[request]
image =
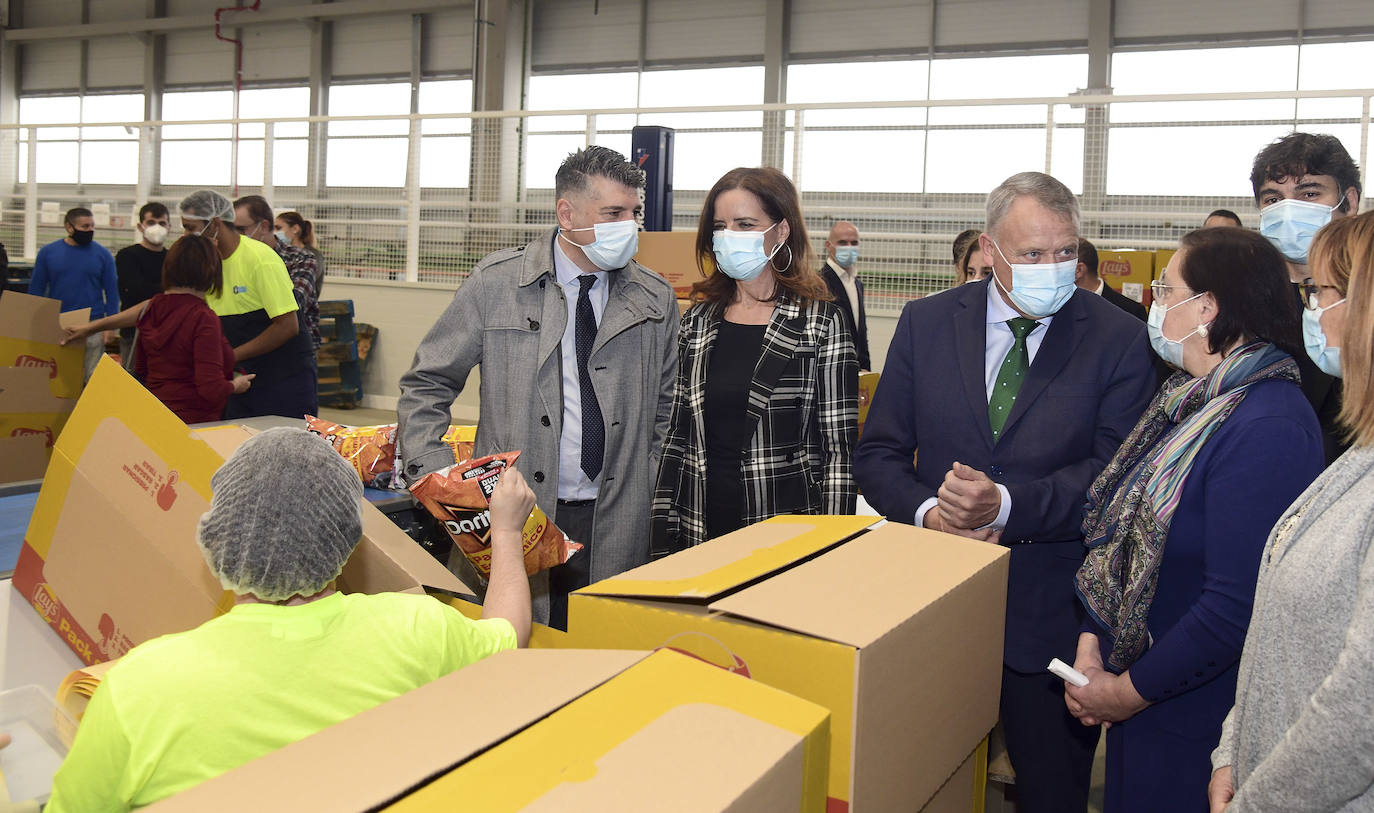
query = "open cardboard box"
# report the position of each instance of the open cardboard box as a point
(110, 558)
(897, 630)
(574, 731)
(673, 256)
(39, 381)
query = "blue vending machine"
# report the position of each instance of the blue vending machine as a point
(652, 151)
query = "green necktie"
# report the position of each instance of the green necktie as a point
(1010, 376)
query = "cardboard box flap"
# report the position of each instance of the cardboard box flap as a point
(35, 318)
(870, 585)
(25, 389)
(608, 750)
(223, 439)
(412, 558)
(724, 563)
(410, 739)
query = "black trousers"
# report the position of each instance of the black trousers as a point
(574, 519)
(1050, 751)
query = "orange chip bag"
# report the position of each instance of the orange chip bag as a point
(370, 449)
(459, 497)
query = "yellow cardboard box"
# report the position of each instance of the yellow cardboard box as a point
(868, 384)
(28, 409)
(573, 731)
(1130, 272)
(110, 559)
(896, 630)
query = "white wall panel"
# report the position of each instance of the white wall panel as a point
(566, 32)
(115, 62)
(197, 58)
(1149, 19)
(276, 52)
(705, 29)
(50, 65)
(372, 46)
(42, 13)
(990, 22)
(448, 41)
(1341, 14)
(114, 11)
(823, 26)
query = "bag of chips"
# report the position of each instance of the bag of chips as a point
(459, 497)
(372, 449)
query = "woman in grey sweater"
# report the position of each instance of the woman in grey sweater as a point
(1301, 734)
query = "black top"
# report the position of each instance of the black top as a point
(730, 372)
(140, 278)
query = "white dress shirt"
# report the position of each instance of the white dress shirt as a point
(998, 342)
(573, 483)
(851, 289)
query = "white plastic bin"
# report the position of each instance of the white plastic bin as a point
(40, 732)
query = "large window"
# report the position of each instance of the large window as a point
(201, 154)
(87, 154)
(707, 145)
(551, 138)
(446, 144)
(368, 153)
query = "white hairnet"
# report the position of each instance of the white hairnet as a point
(206, 204)
(285, 516)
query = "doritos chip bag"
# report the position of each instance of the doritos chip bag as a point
(460, 496)
(370, 449)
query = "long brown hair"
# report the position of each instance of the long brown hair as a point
(778, 197)
(1344, 248)
(193, 262)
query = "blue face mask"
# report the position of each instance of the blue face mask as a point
(1171, 350)
(616, 243)
(1327, 359)
(1039, 289)
(846, 256)
(1291, 224)
(740, 254)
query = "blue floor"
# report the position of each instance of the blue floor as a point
(15, 510)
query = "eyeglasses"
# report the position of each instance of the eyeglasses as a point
(1158, 289)
(1311, 294)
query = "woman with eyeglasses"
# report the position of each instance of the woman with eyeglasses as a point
(1176, 522)
(765, 414)
(1301, 732)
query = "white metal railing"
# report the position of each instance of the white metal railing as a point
(410, 230)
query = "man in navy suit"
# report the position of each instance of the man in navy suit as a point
(1016, 391)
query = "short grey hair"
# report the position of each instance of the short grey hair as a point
(578, 168)
(1046, 189)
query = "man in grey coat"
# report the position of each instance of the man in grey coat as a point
(578, 349)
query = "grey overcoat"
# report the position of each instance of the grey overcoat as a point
(509, 317)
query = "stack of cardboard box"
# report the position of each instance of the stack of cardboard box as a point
(39, 381)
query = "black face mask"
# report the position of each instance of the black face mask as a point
(83, 238)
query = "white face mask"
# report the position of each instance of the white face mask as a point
(1039, 289)
(1171, 350)
(155, 234)
(1326, 357)
(740, 254)
(1291, 224)
(615, 245)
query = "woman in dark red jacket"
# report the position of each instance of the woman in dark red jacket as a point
(183, 357)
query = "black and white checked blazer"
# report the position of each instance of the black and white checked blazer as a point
(803, 407)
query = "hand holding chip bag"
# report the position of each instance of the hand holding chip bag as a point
(460, 498)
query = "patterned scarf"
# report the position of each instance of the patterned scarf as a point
(1132, 503)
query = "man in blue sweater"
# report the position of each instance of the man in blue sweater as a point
(81, 273)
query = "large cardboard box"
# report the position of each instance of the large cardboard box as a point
(572, 731)
(110, 559)
(673, 256)
(897, 630)
(1130, 272)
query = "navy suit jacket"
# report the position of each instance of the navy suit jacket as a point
(1090, 381)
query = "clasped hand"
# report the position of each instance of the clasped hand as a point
(967, 501)
(1108, 698)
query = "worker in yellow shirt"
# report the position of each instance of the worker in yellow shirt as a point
(294, 655)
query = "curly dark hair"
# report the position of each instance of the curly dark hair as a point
(1298, 154)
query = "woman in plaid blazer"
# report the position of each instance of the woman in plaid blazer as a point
(765, 412)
